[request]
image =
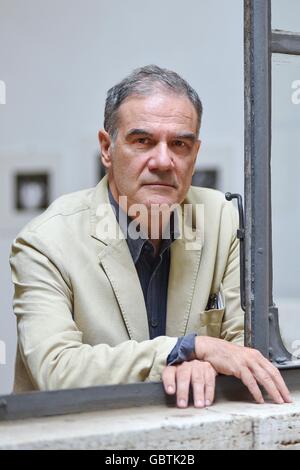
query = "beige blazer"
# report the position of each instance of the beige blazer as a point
(80, 310)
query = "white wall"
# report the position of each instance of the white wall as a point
(59, 57)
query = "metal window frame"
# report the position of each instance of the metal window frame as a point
(261, 317)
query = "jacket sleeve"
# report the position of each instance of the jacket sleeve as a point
(50, 342)
(233, 321)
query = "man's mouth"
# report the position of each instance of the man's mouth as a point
(168, 185)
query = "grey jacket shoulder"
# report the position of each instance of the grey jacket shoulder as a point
(215, 203)
(206, 195)
(64, 206)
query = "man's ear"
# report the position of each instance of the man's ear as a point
(105, 146)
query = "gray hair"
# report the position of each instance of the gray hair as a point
(144, 81)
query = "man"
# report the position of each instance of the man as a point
(116, 285)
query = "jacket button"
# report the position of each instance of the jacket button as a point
(154, 323)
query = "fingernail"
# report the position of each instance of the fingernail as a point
(199, 404)
(170, 389)
(207, 403)
(182, 403)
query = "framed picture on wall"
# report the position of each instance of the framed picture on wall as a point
(206, 178)
(28, 185)
(219, 167)
(31, 191)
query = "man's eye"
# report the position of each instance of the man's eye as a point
(143, 140)
(179, 143)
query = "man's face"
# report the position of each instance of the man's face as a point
(152, 158)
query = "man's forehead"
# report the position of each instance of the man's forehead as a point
(157, 109)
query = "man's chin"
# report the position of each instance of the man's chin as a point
(159, 195)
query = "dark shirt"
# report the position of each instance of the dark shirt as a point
(153, 272)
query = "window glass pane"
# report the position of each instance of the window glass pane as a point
(286, 15)
(286, 195)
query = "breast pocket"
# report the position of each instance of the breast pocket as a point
(211, 322)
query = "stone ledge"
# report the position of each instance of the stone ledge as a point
(226, 425)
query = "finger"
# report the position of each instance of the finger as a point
(265, 379)
(168, 378)
(249, 380)
(278, 380)
(198, 385)
(183, 380)
(210, 385)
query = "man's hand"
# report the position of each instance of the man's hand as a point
(201, 375)
(248, 365)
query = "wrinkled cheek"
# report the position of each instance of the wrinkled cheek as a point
(126, 181)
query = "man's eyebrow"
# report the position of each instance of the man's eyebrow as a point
(186, 135)
(183, 135)
(138, 132)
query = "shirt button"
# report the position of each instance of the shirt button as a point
(154, 323)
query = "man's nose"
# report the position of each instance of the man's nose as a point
(161, 158)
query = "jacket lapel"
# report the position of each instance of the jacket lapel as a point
(115, 259)
(185, 262)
